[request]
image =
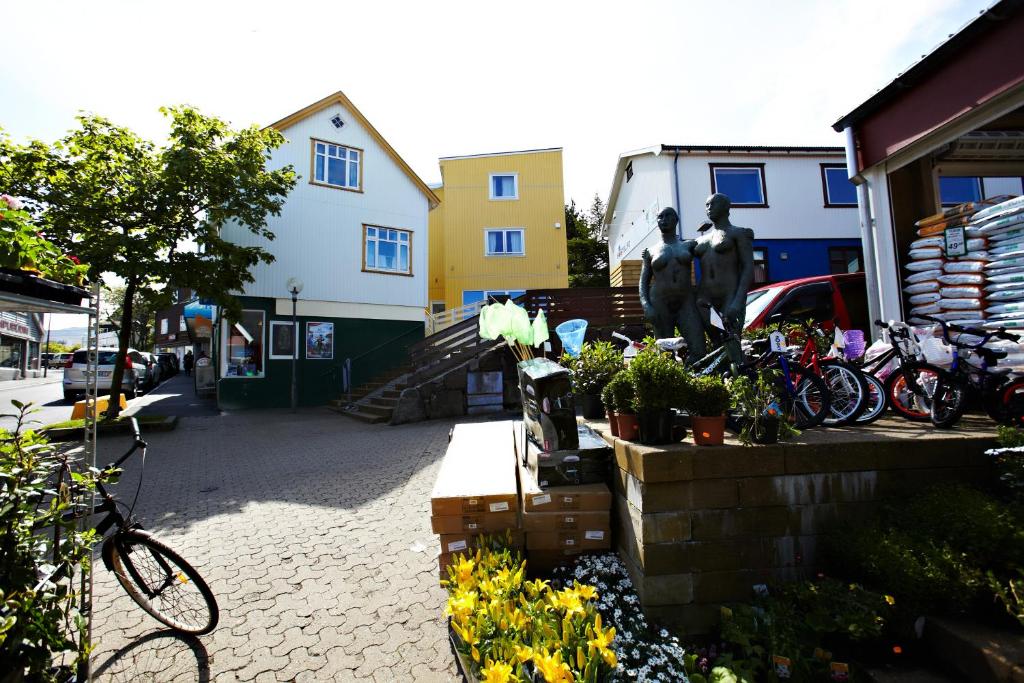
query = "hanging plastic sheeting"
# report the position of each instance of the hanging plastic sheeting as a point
(540, 328)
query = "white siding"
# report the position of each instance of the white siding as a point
(319, 234)
(633, 225)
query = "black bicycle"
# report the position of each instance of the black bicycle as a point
(154, 575)
(1001, 396)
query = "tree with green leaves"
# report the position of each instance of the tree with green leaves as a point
(587, 246)
(143, 319)
(152, 216)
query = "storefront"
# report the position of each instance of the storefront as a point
(948, 130)
(20, 335)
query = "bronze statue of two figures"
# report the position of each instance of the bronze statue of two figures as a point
(667, 293)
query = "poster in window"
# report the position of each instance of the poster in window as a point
(282, 339)
(319, 340)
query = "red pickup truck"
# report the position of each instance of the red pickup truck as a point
(824, 298)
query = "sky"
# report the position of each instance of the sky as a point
(451, 78)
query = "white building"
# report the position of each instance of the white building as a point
(797, 200)
(354, 231)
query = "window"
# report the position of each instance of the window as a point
(181, 324)
(504, 186)
(504, 242)
(436, 307)
(743, 183)
(387, 250)
(337, 166)
(629, 171)
(955, 190)
(760, 266)
(845, 260)
(243, 346)
(163, 325)
(836, 186)
(283, 335)
(809, 302)
(854, 294)
(490, 296)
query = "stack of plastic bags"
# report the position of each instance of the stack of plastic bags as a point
(1003, 227)
(947, 288)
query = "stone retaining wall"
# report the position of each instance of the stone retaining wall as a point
(699, 526)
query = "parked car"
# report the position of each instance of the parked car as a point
(169, 365)
(826, 298)
(59, 360)
(152, 370)
(77, 366)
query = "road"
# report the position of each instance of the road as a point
(49, 398)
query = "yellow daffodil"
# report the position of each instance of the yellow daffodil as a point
(552, 668)
(601, 643)
(524, 653)
(497, 672)
(891, 600)
(585, 591)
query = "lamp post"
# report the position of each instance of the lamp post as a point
(294, 286)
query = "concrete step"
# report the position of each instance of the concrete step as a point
(361, 415)
(373, 409)
(384, 401)
(392, 393)
(983, 654)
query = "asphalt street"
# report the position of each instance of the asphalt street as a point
(48, 398)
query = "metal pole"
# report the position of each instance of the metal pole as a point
(49, 321)
(295, 352)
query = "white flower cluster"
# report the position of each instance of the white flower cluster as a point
(643, 653)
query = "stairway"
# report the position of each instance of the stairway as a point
(374, 401)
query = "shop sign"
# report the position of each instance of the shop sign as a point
(956, 242)
(13, 327)
(199, 319)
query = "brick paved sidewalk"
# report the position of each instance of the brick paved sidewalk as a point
(313, 532)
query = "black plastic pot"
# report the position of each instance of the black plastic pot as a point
(592, 407)
(656, 426)
(765, 432)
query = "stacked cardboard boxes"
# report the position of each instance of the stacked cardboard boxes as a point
(476, 490)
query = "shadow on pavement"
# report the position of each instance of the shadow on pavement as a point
(175, 396)
(158, 656)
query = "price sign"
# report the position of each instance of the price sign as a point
(777, 340)
(956, 242)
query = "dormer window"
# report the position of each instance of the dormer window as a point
(504, 186)
(337, 166)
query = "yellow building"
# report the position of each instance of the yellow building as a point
(499, 229)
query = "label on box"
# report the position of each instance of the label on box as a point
(570, 541)
(542, 499)
(498, 507)
(569, 519)
(783, 666)
(471, 525)
(455, 546)
(594, 535)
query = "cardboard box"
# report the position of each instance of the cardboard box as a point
(582, 539)
(549, 408)
(590, 463)
(478, 474)
(566, 521)
(585, 497)
(543, 561)
(464, 542)
(482, 523)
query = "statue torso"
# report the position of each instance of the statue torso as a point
(672, 263)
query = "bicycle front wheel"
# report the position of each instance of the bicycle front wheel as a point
(847, 390)
(947, 401)
(909, 390)
(163, 584)
(876, 402)
(804, 398)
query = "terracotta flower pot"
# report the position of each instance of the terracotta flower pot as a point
(708, 431)
(629, 426)
(613, 422)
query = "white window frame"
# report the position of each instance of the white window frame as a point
(225, 337)
(398, 250)
(487, 242)
(762, 187)
(433, 304)
(270, 340)
(515, 186)
(358, 187)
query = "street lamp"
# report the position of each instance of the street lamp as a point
(294, 286)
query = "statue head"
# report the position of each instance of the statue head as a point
(668, 219)
(718, 206)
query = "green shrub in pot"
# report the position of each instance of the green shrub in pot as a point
(660, 384)
(755, 399)
(591, 371)
(707, 400)
(623, 397)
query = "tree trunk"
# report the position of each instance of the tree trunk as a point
(123, 342)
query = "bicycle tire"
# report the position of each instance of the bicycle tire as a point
(146, 579)
(1011, 397)
(948, 401)
(905, 402)
(847, 391)
(809, 405)
(876, 403)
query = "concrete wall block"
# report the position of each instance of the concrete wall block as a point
(680, 495)
(446, 403)
(708, 525)
(804, 489)
(409, 408)
(713, 463)
(738, 586)
(693, 620)
(456, 379)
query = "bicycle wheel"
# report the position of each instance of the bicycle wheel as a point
(1011, 397)
(947, 401)
(162, 583)
(847, 391)
(806, 403)
(909, 390)
(876, 403)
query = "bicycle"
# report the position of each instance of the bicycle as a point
(908, 389)
(1001, 396)
(167, 587)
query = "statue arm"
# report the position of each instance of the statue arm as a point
(745, 254)
(645, 281)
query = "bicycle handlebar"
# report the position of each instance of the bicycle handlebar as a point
(986, 335)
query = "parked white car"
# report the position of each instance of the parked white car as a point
(76, 368)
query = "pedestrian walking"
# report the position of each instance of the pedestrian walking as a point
(189, 361)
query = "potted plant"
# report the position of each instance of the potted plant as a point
(756, 401)
(707, 401)
(658, 381)
(608, 399)
(624, 399)
(591, 370)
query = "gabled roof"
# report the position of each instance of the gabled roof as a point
(339, 98)
(502, 154)
(657, 150)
